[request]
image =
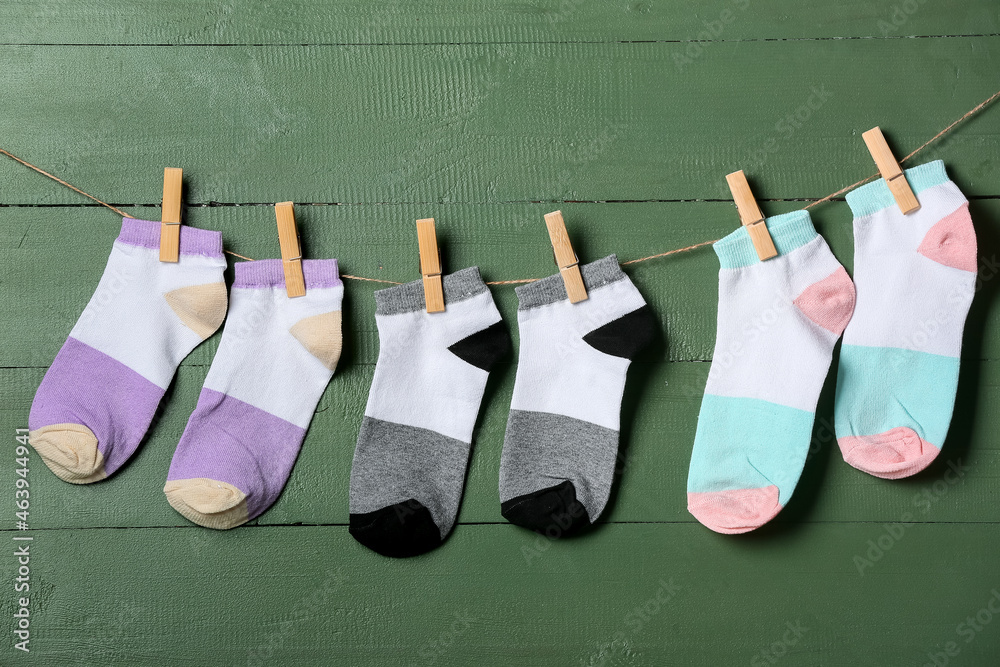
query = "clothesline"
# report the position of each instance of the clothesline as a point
(979, 107)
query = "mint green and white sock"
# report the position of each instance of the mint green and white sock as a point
(916, 275)
(778, 322)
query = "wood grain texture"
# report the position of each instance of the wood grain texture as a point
(495, 595)
(624, 115)
(481, 123)
(492, 21)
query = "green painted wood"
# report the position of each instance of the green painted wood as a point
(486, 117)
(626, 595)
(493, 21)
(487, 123)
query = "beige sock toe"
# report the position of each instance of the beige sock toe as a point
(208, 502)
(70, 451)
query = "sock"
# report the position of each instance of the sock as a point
(561, 442)
(99, 396)
(413, 447)
(778, 322)
(916, 275)
(274, 361)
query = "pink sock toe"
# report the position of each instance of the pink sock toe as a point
(736, 511)
(894, 454)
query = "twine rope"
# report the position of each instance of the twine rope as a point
(968, 114)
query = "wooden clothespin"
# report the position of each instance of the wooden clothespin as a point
(170, 218)
(566, 259)
(291, 250)
(750, 215)
(890, 170)
(430, 265)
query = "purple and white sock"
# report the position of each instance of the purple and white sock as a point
(276, 357)
(99, 396)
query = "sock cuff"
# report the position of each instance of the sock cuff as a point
(549, 290)
(409, 297)
(876, 196)
(194, 241)
(263, 273)
(788, 231)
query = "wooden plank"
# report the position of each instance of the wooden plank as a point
(482, 123)
(497, 21)
(624, 595)
(377, 242)
(659, 416)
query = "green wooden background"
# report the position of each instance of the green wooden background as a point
(485, 115)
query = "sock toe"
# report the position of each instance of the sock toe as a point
(401, 530)
(208, 502)
(70, 451)
(553, 511)
(736, 511)
(894, 454)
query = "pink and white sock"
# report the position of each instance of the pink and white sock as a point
(916, 276)
(99, 396)
(778, 322)
(276, 358)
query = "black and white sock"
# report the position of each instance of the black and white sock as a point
(562, 434)
(413, 448)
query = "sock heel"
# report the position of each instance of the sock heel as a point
(322, 335)
(952, 241)
(829, 303)
(626, 336)
(483, 348)
(201, 308)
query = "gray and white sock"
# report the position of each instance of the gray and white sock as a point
(413, 448)
(562, 434)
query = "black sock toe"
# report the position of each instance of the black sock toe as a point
(398, 531)
(553, 511)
